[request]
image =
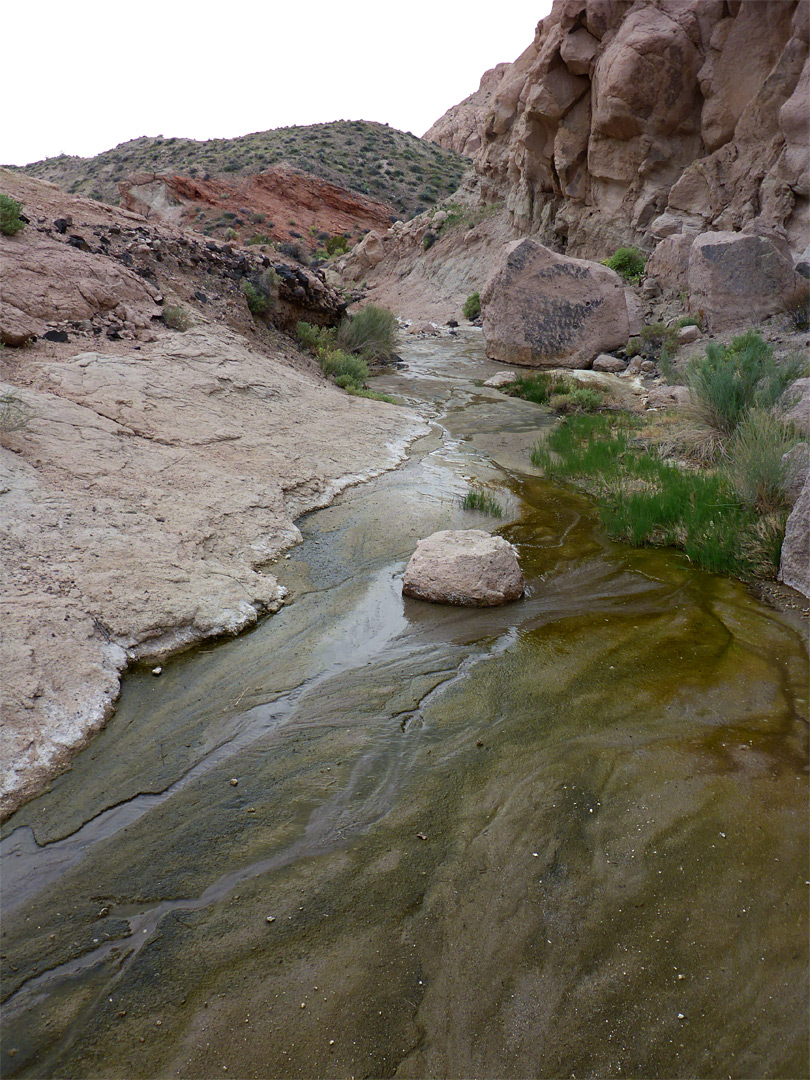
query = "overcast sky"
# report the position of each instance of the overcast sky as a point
(80, 76)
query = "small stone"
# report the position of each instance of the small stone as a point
(331, 1042)
(421, 836)
(688, 334)
(234, 782)
(270, 918)
(157, 670)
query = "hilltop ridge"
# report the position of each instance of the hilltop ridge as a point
(388, 165)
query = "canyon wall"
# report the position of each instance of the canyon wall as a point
(628, 121)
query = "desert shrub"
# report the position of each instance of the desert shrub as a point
(11, 221)
(729, 380)
(261, 292)
(293, 251)
(657, 340)
(429, 240)
(315, 337)
(628, 262)
(477, 498)
(688, 320)
(371, 332)
(347, 370)
(14, 413)
(472, 306)
(755, 461)
(176, 317)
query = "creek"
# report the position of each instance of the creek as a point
(376, 837)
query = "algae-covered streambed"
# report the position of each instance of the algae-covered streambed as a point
(567, 837)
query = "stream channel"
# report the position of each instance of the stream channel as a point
(567, 837)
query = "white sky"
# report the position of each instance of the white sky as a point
(80, 76)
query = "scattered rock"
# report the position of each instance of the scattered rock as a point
(606, 362)
(502, 378)
(541, 309)
(467, 567)
(664, 396)
(689, 334)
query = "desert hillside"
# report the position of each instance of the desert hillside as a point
(390, 166)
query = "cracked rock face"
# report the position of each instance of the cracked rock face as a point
(543, 309)
(466, 567)
(621, 110)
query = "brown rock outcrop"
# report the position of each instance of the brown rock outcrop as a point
(262, 204)
(466, 567)
(46, 282)
(736, 278)
(794, 569)
(459, 128)
(620, 111)
(542, 309)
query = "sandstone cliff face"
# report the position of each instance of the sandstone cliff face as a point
(622, 111)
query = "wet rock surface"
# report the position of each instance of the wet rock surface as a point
(485, 837)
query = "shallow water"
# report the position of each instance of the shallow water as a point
(567, 837)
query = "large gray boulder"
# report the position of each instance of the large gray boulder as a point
(795, 564)
(467, 567)
(541, 309)
(738, 278)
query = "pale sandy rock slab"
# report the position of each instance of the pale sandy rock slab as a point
(503, 378)
(47, 281)
(795, 564)
(738, 278)
(466, 567)
(541, 309)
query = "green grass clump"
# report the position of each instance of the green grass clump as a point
(534, 388)
(627, 262)
(479, 499)
(11, 221)
(730, 380)
(371, 332)
(559, 392)
(472, 306)
(727, 521)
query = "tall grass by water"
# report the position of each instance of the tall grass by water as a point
(644, 499)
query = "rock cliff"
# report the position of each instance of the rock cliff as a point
(626, 121)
